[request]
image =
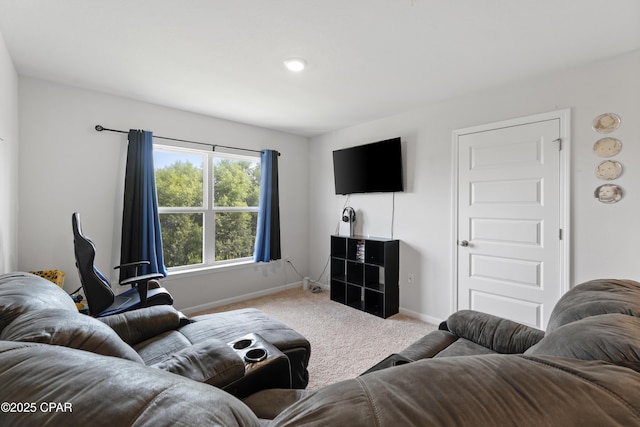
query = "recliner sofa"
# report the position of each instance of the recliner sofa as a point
(33, 309)
(469, 332)
(483, 370)
(585, 370)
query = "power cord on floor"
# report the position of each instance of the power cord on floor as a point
(317, 288)
(314, 289)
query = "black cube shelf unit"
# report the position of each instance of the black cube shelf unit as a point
(365, 273)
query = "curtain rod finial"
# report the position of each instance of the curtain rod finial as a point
(99, 128)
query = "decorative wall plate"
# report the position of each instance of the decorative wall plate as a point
(608, 170)
(608, 193)
(606, 123)
(607, 147)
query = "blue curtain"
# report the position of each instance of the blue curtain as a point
(141, 238)
(267, 247)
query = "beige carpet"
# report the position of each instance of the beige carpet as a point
(344, 342)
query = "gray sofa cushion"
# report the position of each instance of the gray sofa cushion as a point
(23, 292)
(613, 338)
(74, 330)
(596, 297)
(211, 361)
(488, 390)
(138, 325)
(267, 404)
(160, 347)
(103, 391)
(492, 332)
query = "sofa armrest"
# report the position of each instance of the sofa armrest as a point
(493, 332)
(211, 361)
(59, 327)
(138, 325)
(429, 345)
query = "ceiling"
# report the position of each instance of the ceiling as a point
(367, 59)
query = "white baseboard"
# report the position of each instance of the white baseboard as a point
(429, 319)
(209, 306)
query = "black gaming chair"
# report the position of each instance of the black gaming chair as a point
(97, 289)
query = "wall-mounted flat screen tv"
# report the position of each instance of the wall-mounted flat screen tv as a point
(369, 168)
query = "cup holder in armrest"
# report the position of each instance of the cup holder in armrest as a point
(252, 348)
(242, 344)
(264, 366)
(255, 355)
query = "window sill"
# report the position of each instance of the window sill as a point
(209, 269)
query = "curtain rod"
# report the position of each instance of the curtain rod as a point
(100, 128)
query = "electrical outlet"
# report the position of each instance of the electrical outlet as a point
(410, 278)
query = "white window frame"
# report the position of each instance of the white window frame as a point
(208, 209)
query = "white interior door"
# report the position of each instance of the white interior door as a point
(510, 217)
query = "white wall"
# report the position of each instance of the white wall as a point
(8, 162)
(67, 166)
(604, 236)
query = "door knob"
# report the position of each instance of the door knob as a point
(464, 243)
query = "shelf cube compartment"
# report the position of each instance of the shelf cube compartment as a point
(338, 269)
(338, 247)
(374, 277)
(374, 252)
(354, 296)
(374, 303)
(355, 273)
(338, 292)
(356, 249)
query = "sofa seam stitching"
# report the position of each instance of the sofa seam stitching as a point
(370, 401)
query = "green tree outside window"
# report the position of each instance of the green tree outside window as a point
(235, 185)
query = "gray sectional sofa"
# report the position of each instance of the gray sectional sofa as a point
(482, 370)
(476, 370)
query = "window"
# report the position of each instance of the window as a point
(208, 205)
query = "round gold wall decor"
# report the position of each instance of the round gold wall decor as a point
(608, 170)
(606, 123)
(607, 147)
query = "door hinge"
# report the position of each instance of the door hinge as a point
(560, 234)
(559, 141)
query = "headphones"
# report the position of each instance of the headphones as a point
(348, 214)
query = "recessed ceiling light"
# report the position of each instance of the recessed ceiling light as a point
(295, 64)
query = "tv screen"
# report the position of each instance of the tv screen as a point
(369, 168)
